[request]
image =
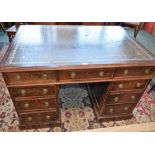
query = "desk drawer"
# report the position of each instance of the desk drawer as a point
(73, 75)
(33, 91)
(30, 77)
(40, 104)
(119, 109)
(134, 71)
(41, 117)
(132, 97)
(129, 85)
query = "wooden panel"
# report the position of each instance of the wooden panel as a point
(43, 23)
(129, 85)
(33, 91)
(74, 75)
(30, 77)
(94, 23)
(38, 104)
(119, 109)
(128, 97)
(134, 71)
(41, 117)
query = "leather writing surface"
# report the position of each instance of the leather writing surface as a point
(36, 45)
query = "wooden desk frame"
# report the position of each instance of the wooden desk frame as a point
(40, 83)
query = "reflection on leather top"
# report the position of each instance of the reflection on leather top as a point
(36, 45)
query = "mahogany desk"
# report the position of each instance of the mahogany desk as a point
(114, 68)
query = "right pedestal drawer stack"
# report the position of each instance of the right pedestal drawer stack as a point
(122, 94)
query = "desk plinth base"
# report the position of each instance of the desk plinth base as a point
(39, 126)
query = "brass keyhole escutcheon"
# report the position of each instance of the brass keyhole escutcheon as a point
(147, 71)
(120, 86)
(18, 77)
(45, 91)
(44, 76)
(138, 84)
(116, 99)
(46, 104)
(26, 105)
(126, 108)
(101, 73)
(126, 72)
(111, 110)
(72, 75)
(29, 119)
(48, 117)
(133, 97)
(23, 92)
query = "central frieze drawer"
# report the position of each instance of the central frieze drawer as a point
(39, 104)
(74, 75)
(30, 77)
(33, 91)
(129, 85)
(41, 117)
(132, 97)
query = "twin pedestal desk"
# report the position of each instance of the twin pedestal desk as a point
(115, 69)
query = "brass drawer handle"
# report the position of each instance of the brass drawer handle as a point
(126, 108)
(46, 104)
(126, 72)
(72, 75)
(147, 71)
(29, 119)
(133, 97)
(45, 91)
(18, 77)
(138, 84)
(48, 117)
(44, 76)
(111, 110)
(116, 99)
(26, 105)
(101, 73)
(120, 86)
(23, 92)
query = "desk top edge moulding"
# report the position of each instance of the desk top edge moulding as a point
(114, 69)
(78, 46)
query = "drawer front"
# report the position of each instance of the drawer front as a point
(73, 75)
(33, 91)
(124, 98)
(41, 104)
(30, 77)
(135, 71)
(34, 118)
(128, 85)
(119, 109)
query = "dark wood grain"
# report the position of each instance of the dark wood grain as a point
(33, 91)
(128, 85)
(39, 104)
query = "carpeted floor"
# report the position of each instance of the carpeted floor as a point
(76, 110)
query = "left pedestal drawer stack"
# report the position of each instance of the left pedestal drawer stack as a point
(35, 97)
